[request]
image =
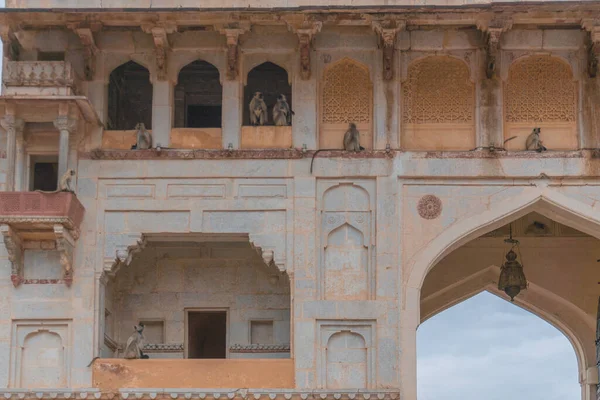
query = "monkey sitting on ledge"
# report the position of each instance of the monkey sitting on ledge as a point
(352, 139)
(64, 185)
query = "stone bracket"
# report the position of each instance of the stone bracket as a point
(86, 36)
(388, 31)
(65, 243)
(232, 33)
(14, 248)
(10, 43)
(306, 33)
(593, 48)
(161, 46)
(493, 29)
(124, 254)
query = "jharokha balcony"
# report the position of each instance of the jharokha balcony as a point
(48, 221)
(40, 78)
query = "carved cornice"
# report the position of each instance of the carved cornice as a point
(124, 254)
(199, 394)
(86, 36)
(65, 244)
(260, 348)
(64, 123)
(232, 32)
(493, 29)
(388, 31)
(306, 32)
(14, 248)
(593, 48)
(161, 45)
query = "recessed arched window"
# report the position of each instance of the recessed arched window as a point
(541, 92)
(438, 105)
(129, 97)
(198, 96)
(271, 80)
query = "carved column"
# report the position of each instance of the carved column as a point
(593, 27)
(14, 128)
(489, 102)
(65, 126)
(232, 88)
(14, 248)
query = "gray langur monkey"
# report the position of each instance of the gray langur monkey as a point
(143, 138)
(64, 184)
(135, 344)
(534, 142)
(282, 113)
(352, 139)
(258, 110)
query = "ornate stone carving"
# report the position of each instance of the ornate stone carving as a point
(39, 73)
(540, 88)
(387, 31)
(161, 46)
(306, 33)
(65, 244)
(593, 27)
(438, 90)
(10, 43)
(347, 93)
(14, 129)
(493, 31)
(64, 123)
(232, 33)
(86, 37)
(14, 248)
(429, 207)
(260, 348)
(124, 254)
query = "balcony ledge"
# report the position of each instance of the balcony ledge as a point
(48, 220)
(200, 394)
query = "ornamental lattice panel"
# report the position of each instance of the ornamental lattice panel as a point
(540, 89)
(347, 94)
(438, 90)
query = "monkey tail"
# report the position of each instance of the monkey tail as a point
(91, 362)
(315, 154)
(510, 138)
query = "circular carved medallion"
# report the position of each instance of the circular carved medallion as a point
(429, 207)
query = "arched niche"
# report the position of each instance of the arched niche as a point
(438, 105)
(271, 80)
(347, 361)
(541, 91)
(346, 96)
(198, 104)
(346, 264)
(129, 97)
(42, 362)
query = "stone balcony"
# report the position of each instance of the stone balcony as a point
(40, 78)
(114, 374)
(37, 220)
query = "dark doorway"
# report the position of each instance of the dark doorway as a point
(129, 97)
(271, 80)
(203, 116)
(198, 96)
(207, 334)
(44, 173)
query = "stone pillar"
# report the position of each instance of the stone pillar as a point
(162, 112)
(65, 126)
(101, 282)
(409, 322)
(232, 113)
(14, 127)
(20, 162)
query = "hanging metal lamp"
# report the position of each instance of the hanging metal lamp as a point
(512, 279)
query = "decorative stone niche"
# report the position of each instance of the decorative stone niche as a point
(346, 96)
(40, 354)
(346, 356)
(541, 92)
(438, 110)
(266, 137)
(347, 244)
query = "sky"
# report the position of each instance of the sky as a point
(487, 348)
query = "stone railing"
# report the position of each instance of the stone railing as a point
(49, 77)
(260, 348)
(36, 208)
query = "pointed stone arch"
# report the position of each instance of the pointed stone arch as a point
(541, 199)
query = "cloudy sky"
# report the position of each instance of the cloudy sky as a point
(488, 349)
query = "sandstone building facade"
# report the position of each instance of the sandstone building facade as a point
(260, 267)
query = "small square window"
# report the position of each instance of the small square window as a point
(261, 332)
